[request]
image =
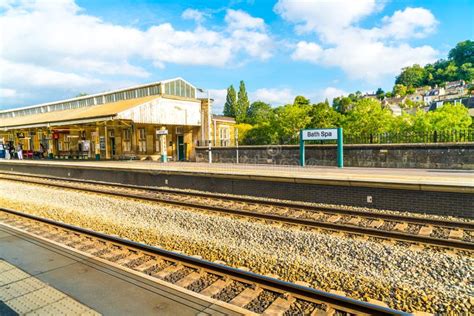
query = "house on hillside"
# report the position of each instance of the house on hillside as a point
(433, 95)
(419, 94)
(456, 88)
(394, 104)
(370, 96)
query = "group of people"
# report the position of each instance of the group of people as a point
(12, 152)
(16, 152)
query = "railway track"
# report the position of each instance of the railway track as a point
(248, 292)
(452, 234)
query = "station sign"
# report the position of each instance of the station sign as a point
(161, 132)
(319, 134)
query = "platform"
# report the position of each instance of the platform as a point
(73, 284)
(435, 191)
(456, 178)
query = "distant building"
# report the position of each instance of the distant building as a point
(223, 129)
(433, 95)
(394, 104)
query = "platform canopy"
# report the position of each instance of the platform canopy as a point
(164, 102)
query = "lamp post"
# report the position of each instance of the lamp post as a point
(209, 148)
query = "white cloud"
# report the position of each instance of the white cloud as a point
(273, 96)
(7, 93)
(363, 53)
(238, 20)
(411, 22)
(193, 14)
(311, 52)
(56, 44)
(332, 92)
(323, 14)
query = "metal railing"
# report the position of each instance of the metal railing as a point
(442, 136)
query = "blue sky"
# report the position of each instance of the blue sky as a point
(55, 49)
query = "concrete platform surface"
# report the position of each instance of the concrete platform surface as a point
(461, 178)
(90, 286)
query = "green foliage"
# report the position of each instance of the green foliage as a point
(262, 134)
(301, 101)
(380, 93)
(413, 76)
(463, 53)
(367, 116)
(459, 66)
(243, 129)
(450, 116)
(82, 94)
(291, 118)
(323, 116)
(230, 102)
(399, 90)
(242, 103)
(343, 104)
(259, 112)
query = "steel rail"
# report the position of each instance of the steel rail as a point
(328, 209)
(450, 243)
(250, 277)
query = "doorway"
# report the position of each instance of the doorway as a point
(112, 147)
(181, 149)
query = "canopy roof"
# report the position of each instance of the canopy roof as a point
(80, 115)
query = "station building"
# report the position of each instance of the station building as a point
(160, 120)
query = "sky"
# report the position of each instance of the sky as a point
(55, 49)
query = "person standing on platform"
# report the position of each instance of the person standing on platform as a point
(20, 152)
(7, 152)
(41, 151)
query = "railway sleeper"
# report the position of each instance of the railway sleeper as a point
(246, 296)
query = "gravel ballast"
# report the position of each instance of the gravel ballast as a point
(403, 278)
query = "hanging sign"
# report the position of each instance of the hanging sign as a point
(161, 132)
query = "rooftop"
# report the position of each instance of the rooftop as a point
(176, 87)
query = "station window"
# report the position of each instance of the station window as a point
(127, 144)
(141, 140)
(224, 135)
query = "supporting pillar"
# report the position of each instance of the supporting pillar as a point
(97, 143)
(107, 155)
(302, 153)
(340, 150)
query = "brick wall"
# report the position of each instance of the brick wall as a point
(439, 156)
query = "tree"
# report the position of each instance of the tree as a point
(243, 129)
(450, 116)
(242, 103)
(368, 117)
(323, 116)
(413, 76)
(342, 104)
(399, 90)
(259, 112)
(380, 93)
(463, 53)
(82, 94)
(300, 100)
(230, 102)
(289, 120)
(262, 134)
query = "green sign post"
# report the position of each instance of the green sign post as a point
(323, 134)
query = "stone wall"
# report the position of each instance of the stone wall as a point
(433, 156)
